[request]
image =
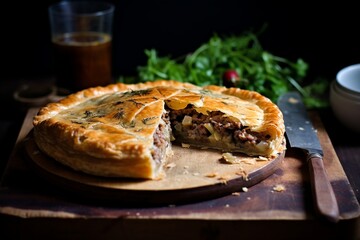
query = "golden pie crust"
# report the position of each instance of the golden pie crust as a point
(108, 131)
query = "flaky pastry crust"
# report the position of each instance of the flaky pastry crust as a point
(108, 131)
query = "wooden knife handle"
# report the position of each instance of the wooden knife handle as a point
(323, 192)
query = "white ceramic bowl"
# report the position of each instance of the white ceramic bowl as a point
(348, 79)
(345, 97)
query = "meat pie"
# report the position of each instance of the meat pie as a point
(128, 130)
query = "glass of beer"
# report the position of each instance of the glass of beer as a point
(81, 34)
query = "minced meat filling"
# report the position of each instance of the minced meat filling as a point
(190, 126)
(161, 138)
(188, 123)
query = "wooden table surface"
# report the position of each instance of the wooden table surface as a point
(32, 207)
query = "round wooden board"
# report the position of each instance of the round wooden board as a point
(191, 175)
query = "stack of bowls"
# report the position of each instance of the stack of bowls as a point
(345, 96)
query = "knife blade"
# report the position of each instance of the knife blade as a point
(301, 134)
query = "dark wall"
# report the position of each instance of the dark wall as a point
(325, 36)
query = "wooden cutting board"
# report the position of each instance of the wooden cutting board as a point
(190, 175)
(24, 193)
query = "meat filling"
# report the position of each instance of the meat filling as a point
(192, 127)
(214, 130)
(161, 138)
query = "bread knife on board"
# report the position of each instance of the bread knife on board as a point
(301, 134)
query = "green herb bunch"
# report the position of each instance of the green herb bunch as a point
(258, 70)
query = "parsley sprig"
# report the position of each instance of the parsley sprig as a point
(259, 70)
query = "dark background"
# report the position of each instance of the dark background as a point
(324, 35)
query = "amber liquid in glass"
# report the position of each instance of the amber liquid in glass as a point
(82, 60)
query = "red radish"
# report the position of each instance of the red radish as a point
(230, 78)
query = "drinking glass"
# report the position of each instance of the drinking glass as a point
(81, 35)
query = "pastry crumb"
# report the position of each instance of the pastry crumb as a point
(243, 174)
(250, 161)
(211, 175)
(170, 165)
(222, 181)
(245, 189)
(235, 194)
(229, 158)
(261, 158)
(185, 145)
(279, 188)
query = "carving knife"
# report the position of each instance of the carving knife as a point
(301, 134)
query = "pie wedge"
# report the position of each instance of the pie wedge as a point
(128, 130)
